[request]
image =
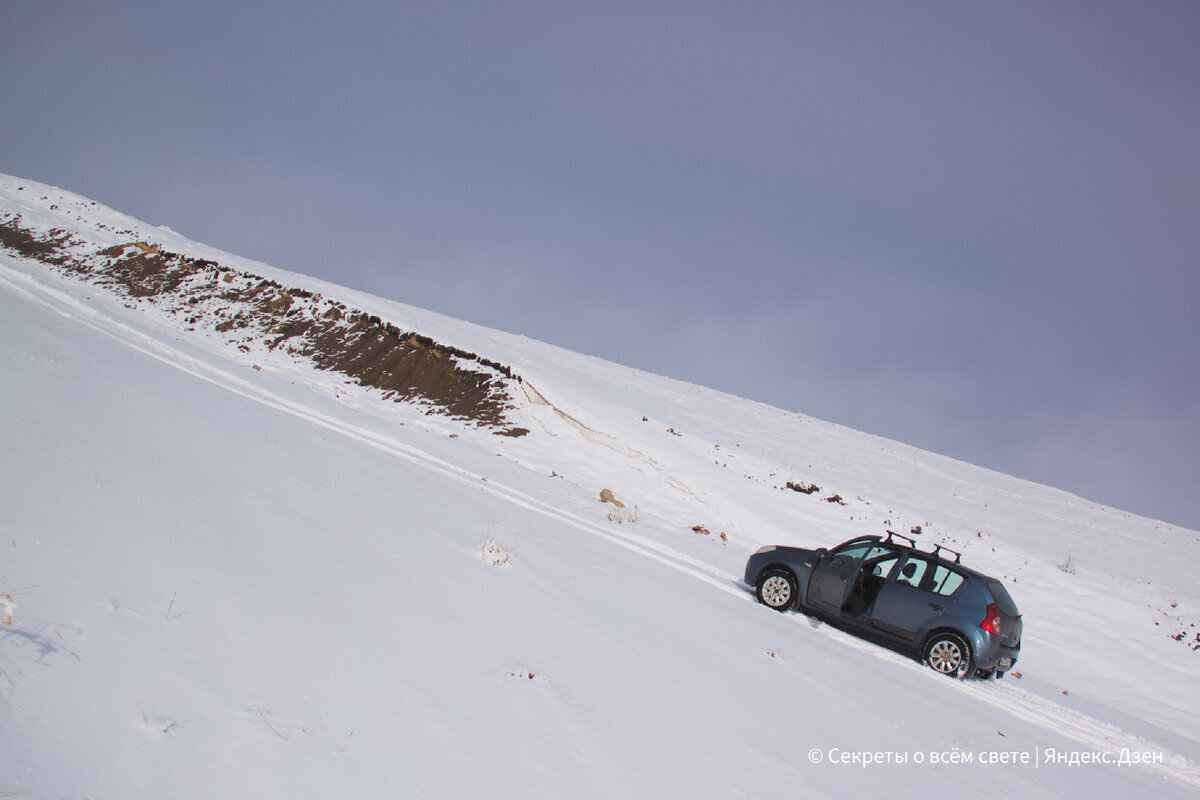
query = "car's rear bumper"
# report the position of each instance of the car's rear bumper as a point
(991, 655)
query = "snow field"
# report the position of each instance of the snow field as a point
(262, 582)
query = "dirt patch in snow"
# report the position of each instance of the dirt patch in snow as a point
(249, 309)
(24, 243)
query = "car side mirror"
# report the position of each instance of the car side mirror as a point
(821, 553)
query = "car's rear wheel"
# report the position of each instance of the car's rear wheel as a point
(777, 589)
(949, 654)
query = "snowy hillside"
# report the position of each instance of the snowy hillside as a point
(241, 558)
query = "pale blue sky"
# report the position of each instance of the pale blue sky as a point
(969, 226)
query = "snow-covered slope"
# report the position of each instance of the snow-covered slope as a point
(231, 573)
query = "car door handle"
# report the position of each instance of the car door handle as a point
(935, 606)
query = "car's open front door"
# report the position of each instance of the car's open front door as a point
(833, 576)
(831, 581)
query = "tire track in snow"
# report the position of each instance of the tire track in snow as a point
(1023, 705)
(1034, 709)
(69, 307)
(1086, 730)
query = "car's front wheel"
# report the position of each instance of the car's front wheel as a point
(949, 654)
(777, 589)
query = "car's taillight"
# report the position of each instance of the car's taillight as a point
(991, 623)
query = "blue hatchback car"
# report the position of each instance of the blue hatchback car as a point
(958, 621)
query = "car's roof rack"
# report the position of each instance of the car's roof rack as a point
(937, 548)
(911, 542)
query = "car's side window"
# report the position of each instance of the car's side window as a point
(913, 570)
(946, 581)
(881, 569)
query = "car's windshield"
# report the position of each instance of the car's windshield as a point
(855, 548)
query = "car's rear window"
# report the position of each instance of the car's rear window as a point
(1004, 601)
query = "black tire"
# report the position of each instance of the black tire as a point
(949, 654)
(777, 589)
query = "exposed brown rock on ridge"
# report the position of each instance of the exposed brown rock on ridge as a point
(404, 365)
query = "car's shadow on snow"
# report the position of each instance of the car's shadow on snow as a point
(815, 622)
